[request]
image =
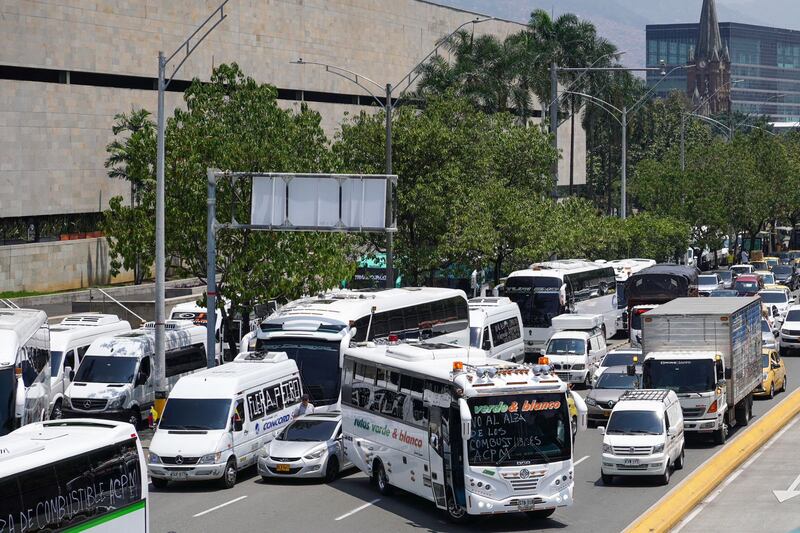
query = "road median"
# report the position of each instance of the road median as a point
(677, 503)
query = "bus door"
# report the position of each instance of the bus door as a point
(436, 456)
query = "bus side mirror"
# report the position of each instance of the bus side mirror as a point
(466, 419)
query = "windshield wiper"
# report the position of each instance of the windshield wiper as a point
(643, 432)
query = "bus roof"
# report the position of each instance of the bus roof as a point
(16, 327)
(342, 306)
(557, 269)
(177, 333)
(42, 443)
(85, 325)
(226, 381)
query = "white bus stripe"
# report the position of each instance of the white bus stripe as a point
(220, 506)
(357, 509)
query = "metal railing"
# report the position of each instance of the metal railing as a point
(104, 293)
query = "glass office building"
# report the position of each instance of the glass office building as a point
(767, 60)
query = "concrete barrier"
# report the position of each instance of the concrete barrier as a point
(667, 512)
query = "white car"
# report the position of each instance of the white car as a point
(790, 330)
(769, 333)
(309, 447)
(709, 282)
(776, 300)
(618, 357)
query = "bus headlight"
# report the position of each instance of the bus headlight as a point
(210, 458)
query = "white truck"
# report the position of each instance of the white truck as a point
(708, 350)
(577, 347)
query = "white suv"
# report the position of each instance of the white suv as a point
(644, 436)
(790, 330)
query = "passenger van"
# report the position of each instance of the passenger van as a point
(644, 436)
(495, 325)
(73, 475)
(199, 316)
(24, 368)
(69, 341)
(216, 421)
(114, 379)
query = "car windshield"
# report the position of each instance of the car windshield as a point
(777, 297)
(309, 431)
(772, 262)
(741, 269)
(635, 422)
(764, 361)
(618, 359)
(726, 275)
(707, 280)
(793, 316)
(198, 414)
(318, 362)
(680, 375)
(617, 380)
(475, 337)
(55, 363)
(538, 298)
(519, 430)
(723, 293)
(746, 286)
(106, 369)
(768, 278)
(759, 265)
(8, 395)
(782, 270)
(566, 347)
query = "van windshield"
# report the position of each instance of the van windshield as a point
(635, 422)
(203, 414)
(103, 369)
(567, 347)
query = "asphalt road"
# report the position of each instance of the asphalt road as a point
(351, 504)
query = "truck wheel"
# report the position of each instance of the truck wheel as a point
(381, 480)
(721, 435)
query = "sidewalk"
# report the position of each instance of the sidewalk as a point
(763, 494)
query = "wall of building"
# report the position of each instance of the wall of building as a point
(57, 265)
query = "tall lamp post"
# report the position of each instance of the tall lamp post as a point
(623, 120)
(388, 105)
(188, 46)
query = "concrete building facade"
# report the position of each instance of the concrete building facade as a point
(68, 66)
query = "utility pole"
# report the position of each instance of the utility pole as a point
(389, 105)
(683, 142)
(554, 121)
(160, 380)
(623, 207)
(211, 270)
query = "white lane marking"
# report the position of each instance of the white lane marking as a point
(579, 461)
(220, 506)
(701, 506)
(357, 509)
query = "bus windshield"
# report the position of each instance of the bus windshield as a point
(103, 369)
(8, 382)
(318, 362)
(538, 298)
(519, 430)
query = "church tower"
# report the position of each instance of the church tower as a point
(711, 73)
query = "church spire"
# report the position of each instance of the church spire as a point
(709, 43)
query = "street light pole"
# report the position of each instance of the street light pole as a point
(554, 121)
(160, 380)
(623, 202)
(389, 235)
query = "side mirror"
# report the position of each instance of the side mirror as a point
(601, 429)
(466, 419)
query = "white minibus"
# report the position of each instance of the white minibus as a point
(316, 331)
(24, 368)
(73, 475)
(546, 290)
(114, 379)
(216, 421)
(495, 325)
(69, 341)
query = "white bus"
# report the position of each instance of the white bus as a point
(472, 434)
(623, 269)
(315, 331)
(24, 368)
(73, 475)
(546, 290)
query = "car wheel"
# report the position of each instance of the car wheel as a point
(606, 478)
(539, 515)
(772, 390)
(381, 480)
(681, 460)
(663, 479)
(783, 385)
(228, 479)
(331, 470)
(159, 483)
(57, 413)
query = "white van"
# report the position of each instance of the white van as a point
(216, 421)
(495, 325)
(69, 341)
(114, 379)
(577, 347)
(199, 316)
(644, 436)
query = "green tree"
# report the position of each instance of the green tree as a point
(233, 123)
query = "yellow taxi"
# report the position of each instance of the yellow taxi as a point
(773, 375)
(772, 261)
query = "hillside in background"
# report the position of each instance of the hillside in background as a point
(623, 21)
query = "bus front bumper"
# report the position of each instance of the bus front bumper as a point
(478, 504)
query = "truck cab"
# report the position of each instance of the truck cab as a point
(577, 347)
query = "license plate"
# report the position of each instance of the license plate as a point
(631, 461)
(282, 468)
(525, 505)
(179, 475)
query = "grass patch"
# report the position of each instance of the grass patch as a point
(20, 294)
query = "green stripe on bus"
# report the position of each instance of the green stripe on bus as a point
(107, 518)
